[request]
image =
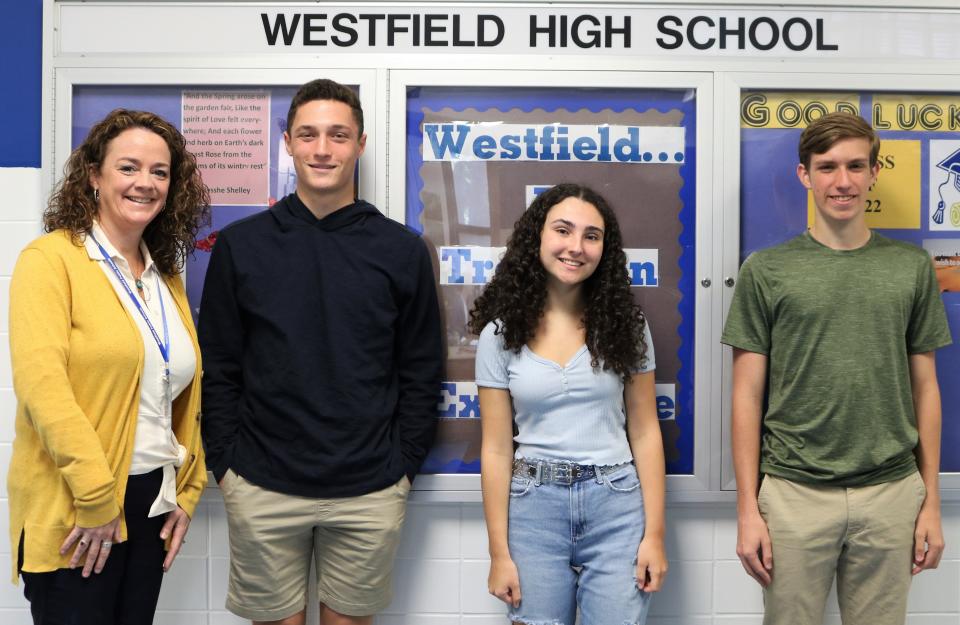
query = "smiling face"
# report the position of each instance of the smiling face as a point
(839, 179)
(571, 242)
(325, 143)
(133, 181)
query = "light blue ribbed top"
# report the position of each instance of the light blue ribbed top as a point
(571, 412)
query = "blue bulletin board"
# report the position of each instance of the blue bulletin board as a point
(476, 157)
(920, 161)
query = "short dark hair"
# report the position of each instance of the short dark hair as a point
(823, 133)
(326, 89)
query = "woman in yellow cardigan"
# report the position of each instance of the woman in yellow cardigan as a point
(107, 467)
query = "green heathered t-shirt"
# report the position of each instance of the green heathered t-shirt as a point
(837, 327)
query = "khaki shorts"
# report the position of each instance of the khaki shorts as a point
(273, 537)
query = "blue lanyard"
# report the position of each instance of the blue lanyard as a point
(163, 345)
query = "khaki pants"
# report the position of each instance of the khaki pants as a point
(862, 535)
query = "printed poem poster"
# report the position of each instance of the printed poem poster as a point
(228, 131)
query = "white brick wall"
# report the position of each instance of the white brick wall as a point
(442, 563)
(19, 224)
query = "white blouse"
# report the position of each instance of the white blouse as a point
(155, 445)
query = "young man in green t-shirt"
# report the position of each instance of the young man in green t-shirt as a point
(835, 400)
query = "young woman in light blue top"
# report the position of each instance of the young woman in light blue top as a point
(572, 457)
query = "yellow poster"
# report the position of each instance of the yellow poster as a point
(937, 113)
(894, 200)
(792, 109)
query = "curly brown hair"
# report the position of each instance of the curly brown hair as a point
(172, 234)
(516, 295)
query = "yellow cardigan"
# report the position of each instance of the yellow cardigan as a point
(77, 360)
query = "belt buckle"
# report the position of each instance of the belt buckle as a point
(523, 468)
(563, 473)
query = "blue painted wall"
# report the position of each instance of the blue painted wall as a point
(21, 28)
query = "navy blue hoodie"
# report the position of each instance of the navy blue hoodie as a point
(322, 351)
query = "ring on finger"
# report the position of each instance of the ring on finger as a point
(83, 542)
(106, 544)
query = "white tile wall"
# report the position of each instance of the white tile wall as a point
(430, 531)
(4, 532)
(473, 533)
(217, 519)
(198, 540)
(474, 598)
(15, 617)
(929, 591)
(739, 620)
(6, 450)
(6, 372)
(687, 590)
(482, 619)
(23, 198)
(184, 586)
(219, 569)
(428, 619)
(14, 237)
(225, 618)
(426, 586)
(10, 596)
(180, 617)
(4, 301)
(951, 527)
(735, 592)
(442, 565)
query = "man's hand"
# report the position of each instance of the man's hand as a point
(754, 548)
(928, 540)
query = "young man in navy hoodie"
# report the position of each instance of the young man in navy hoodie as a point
(322, 352)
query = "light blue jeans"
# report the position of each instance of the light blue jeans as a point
(576, 545)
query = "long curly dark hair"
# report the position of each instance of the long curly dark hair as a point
(172, 234)
(516, 295)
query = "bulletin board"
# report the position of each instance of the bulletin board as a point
(477, 151)
(634, 146)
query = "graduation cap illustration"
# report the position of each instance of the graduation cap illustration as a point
(951, 165)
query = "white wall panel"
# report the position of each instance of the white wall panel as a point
(23, 199)
(4, 301)
(14, 236)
